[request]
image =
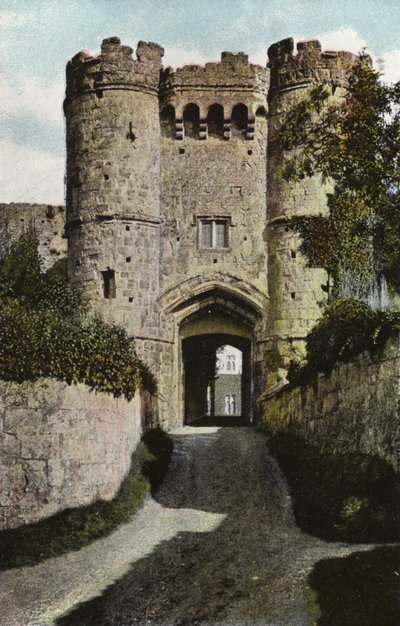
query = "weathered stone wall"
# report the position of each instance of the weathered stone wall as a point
(48, 222)
(355, 408)
(62, 446)
(221, 176)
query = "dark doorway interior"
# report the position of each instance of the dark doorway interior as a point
(217, 380)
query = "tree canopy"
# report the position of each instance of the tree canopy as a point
(354, 141)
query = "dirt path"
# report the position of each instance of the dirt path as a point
(218, 547)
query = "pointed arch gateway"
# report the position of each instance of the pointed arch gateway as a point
(207, 322)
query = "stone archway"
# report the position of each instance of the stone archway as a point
(214, 323)
(201, 375)
(195, 308)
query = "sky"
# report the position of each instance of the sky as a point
(37, 37)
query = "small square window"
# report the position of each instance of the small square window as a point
(213, 233)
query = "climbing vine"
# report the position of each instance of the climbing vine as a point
(355, 142)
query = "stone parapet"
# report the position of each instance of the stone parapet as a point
(309, 66)
(355, 408)
(234, 70)
(227, 82)
(114, 68)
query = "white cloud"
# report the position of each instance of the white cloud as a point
(346, 38)
(177, 57)
(11, 19)
(260, 56)
(32, 98)
(28, 175)
(389, 65)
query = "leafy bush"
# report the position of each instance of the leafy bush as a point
(347, 328)
(47, 330)
(347, 497)
(361, 590)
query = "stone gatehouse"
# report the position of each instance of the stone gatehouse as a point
(177, 221)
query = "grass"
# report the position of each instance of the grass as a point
(72, 529)
(339, 497)
(362, 589)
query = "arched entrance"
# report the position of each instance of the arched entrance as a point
(216, 322)
(217, 378)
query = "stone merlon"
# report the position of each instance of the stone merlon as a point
(309, 65)
(114, 68)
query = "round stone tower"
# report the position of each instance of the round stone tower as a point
(296, 291)
(113, 185)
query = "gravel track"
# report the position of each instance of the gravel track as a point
(218, 547)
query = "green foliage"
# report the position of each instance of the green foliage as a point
(355, 142)
(72, 529)
(347, 328)
(361, 589)
(46, 330)
(350, 497)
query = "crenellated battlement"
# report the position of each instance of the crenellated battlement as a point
(310, 65)
(233, 72)
(229, 83)
(114, 68)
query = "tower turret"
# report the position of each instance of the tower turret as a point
(296, 291)
(113, 184)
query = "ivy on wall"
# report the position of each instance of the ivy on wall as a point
(354, 141)
(47, 330)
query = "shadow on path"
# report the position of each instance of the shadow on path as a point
(250, 570)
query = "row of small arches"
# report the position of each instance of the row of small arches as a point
(239, 125)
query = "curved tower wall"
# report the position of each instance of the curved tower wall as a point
(113, 185)
(296, 291)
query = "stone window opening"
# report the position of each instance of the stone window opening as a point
(213, 233)
(109, 285)
(167, 121)
(230, 363)
(215, 121)
(240, 117)
(191, 121)
(230, 404)
(261, 112)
